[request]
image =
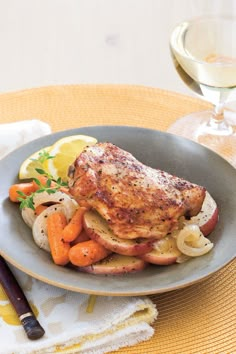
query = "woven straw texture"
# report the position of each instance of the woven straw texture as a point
(195, 320)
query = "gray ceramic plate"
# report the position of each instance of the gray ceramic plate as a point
(157, 149)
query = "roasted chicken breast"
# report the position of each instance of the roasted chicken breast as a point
(137, 201)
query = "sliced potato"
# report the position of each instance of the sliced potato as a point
(208, 217)
(115, 264)
(97, 228)
(165, 252)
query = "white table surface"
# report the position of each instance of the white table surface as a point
(50, 42)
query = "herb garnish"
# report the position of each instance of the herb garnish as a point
(51, 186)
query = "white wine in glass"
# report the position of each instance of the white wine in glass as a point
(204, 55)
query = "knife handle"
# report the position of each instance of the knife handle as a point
(18, 300)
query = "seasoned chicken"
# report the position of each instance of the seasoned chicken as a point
(136, 200)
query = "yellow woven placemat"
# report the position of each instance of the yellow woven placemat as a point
(199, 319)
(75, 106)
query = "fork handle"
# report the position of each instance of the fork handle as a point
(20, 303)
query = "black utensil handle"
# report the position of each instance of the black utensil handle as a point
(18, 300)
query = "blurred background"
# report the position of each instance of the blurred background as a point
(50, 42)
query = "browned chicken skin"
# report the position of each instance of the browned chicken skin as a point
(136, 200)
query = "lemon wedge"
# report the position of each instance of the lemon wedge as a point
(65, 152)
(27, 169)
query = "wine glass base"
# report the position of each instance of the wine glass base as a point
(196, 127)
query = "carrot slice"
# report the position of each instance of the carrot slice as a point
(59, 248)
(26, 188)
(39, 209)
(86, 253)
(74, 227)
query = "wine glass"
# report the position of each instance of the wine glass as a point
(204, 54)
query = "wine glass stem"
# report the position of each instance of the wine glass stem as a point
(219, 113)
(217, 123)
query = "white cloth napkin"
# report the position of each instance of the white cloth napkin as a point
(114, 322)
(12, 135)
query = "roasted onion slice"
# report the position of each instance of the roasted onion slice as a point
(191, 241)
(58, 197)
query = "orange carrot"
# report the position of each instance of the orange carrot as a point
(59, 249)
(86, 253)
(26, 188)
(84, 203)
(39, 209)
(74, 227)
(64, 190)
(83, 236)
(43, 180)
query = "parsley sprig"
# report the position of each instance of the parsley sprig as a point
(51, 186)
